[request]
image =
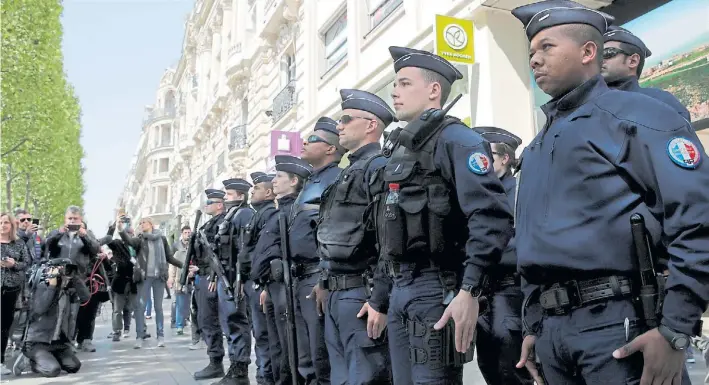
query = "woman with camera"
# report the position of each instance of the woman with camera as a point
(15, 257)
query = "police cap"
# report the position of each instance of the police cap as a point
(550, 13)
(409, 57)
(498, 135)
(238, 184)
(261, 177)
(620, 34)
(366, 101)
(293, 165)
(214, 193)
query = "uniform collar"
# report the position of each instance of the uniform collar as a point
(576, 97)
(287, 199)
(315, 176)
(629, 83)
(363, 151)
(261, 205)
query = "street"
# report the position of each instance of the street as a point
(118, 363)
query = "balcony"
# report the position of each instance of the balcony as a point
(186, 147)
(237, 141)
(238, 66)
(159, 114)
(158, 147)
(277, 13)
(185, 200)
(283, 102)
(160, 212)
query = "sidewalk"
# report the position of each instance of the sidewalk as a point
(117, 363)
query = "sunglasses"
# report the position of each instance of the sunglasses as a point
(317, 139)
(25, 219)
(611, 52)
(346, 119)
(211, 202)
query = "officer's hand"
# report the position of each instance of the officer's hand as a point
(527, 359)
(320, 296)
(54, 272)
(212, 287)
(663, 365)
(262, 300)
(464, 311)
(376, 321)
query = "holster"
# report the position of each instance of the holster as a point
(439, 345)
(277, 270)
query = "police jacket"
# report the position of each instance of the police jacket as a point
(77, 248)
(44, 310)
(268, 246)
(631, 84)
(508, 263)
(311, 195)
(210, 228)
(602, 155)
(229, 235)
(264, 212)
(452, 209)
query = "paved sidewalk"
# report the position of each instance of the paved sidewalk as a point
(118, 363)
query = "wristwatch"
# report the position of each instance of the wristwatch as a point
(678, 341)
(473, 290)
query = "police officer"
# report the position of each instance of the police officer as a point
(291, 174)
(262, 200)
(358, 354)
(499, 332)
(205, 290)
(233, 313)
(323, 152)
(624, 56)
(602, 155)
(442, 219)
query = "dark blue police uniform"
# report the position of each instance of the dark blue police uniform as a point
(347, 247)
(233, 314)
(264, 211)
(499, 332)
(268, 248)
(208, 302)
(603, 155)
(313, 363)
(615, 33)
(450, 224)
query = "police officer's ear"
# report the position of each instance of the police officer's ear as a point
(633, 61)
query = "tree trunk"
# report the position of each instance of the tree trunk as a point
(8, 188)
(27, 192)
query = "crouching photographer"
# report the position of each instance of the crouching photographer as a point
(47, 339)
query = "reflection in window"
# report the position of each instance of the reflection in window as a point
(336, 42)
(380, 9)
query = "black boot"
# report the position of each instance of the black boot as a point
(215, 369)
(238, 374)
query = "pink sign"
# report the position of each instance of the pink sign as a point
(286, 143)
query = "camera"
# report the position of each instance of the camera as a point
(65, 268)
(73, 227)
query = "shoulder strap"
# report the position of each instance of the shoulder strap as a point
(364, 175)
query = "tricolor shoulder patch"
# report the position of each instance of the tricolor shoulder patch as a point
(479, 163)
(684, 152)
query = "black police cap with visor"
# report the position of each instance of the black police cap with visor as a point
(366, 101)
(622, 35)
(214, 193)
(551, 13)
(237, 184)
(293, 165)
(325, 131)
(409, 57)
(261, 177)
(499, 135)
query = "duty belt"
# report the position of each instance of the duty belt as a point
(344, 282)
(298, 270)
(560, 298)
(394, 269)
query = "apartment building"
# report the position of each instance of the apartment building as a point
(255, 75)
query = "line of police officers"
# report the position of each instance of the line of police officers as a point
(387, 261)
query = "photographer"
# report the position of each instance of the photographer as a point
(46, 344)
(28, 232)
(15, 258)
(122, 285)
(72, 241)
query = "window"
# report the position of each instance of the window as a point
(220, 163)
(245, 111)
(380, 9)
(164, 164)
(155, 166)
(252, 14)
(336, 42)
(210, 176)
(287, 71)
(156, 137)
(166, 136)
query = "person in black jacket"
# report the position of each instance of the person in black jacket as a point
(122, 285)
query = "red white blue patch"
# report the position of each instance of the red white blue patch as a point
(479, 163)
(684, 152)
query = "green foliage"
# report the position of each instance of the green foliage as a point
(41, 124)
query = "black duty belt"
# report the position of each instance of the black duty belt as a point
(298, 270)
(560, 298)
(394, 269)
(508, 281)
(344, 282)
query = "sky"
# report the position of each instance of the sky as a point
(669, 28)
(115, 52)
